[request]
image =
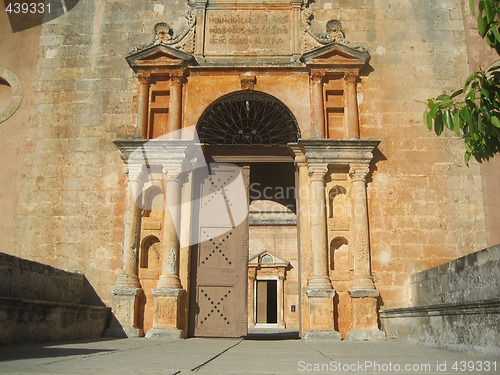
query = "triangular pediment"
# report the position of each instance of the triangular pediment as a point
(336, 54)
(159, 55)
(267, 258)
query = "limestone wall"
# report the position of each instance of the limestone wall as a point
(41, 303)
(426, 206)
(456, 306)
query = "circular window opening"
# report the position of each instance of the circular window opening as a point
(5, 94)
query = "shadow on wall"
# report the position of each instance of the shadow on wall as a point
(42, 303)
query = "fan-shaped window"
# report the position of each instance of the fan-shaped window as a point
(248, 118)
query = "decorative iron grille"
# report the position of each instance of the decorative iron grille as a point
(248, 118)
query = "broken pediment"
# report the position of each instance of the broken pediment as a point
(267, 259)
(159, 56)
(336, 54)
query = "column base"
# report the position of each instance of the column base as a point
(319, 282)
(322, 336)
(169, 313)
(365, 316)
(321, 324)
(164, 333)
(366, 335)
(124, 307)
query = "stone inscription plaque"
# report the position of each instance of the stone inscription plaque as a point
(248, 32)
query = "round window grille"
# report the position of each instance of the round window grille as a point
(248, 118)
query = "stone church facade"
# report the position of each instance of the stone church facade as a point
(213, 166)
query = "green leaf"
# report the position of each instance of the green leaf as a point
(434, 109)
(448, 119)
(466, 116)
(443, 97)
(438, 123)
(428, 120)
(456, 93)
(495, 121)
(490, 14)
(495, 32)
(472, 7)
(482, 26)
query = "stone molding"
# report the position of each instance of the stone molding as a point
(490, 306)
(362, 293)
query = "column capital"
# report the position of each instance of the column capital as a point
(358, 172)
(200, 4)
(317, 76)
(144, 78)
(172, 172)
(351, 77)
(177, 77)
(317, 171)
(133, 171)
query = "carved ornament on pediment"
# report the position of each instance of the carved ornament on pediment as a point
(334, 33)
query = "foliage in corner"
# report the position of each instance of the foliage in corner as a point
(473, 112)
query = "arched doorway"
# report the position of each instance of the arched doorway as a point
(250, 130)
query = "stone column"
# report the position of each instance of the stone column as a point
(319, 228)
(319, 290)
(170, 297)
(142, 119)
(127, 288)
(281, 298)
(175, 108)
(318, 103)
(351, 80)
(251, 296)
(363, 294)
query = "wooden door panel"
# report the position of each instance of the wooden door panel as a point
(219, 264)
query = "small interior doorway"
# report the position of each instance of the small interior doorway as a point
(267, 302)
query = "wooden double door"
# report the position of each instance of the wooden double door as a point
(218, 291)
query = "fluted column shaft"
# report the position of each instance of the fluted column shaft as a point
(362, 268)
(131, 230)
(352, 105)
(142, 120)
(319, 229)
(169, 277)
(318, 103)
(175, 108)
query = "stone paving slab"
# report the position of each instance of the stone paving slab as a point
(234, 356)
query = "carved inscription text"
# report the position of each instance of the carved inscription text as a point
(245, 32)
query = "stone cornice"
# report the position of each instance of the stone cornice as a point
(338, 151)
(153, 151)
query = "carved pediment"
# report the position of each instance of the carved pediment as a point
(269, 259)
(159, 56)
(336, 54)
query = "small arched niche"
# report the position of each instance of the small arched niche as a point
(153, 202)
(150, 253)
(337, 202)
(339, 255)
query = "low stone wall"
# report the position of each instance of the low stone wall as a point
(41, 303)
(456, 306)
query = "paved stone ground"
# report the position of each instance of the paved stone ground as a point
(233, 356)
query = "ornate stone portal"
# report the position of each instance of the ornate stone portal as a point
(247, 51)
